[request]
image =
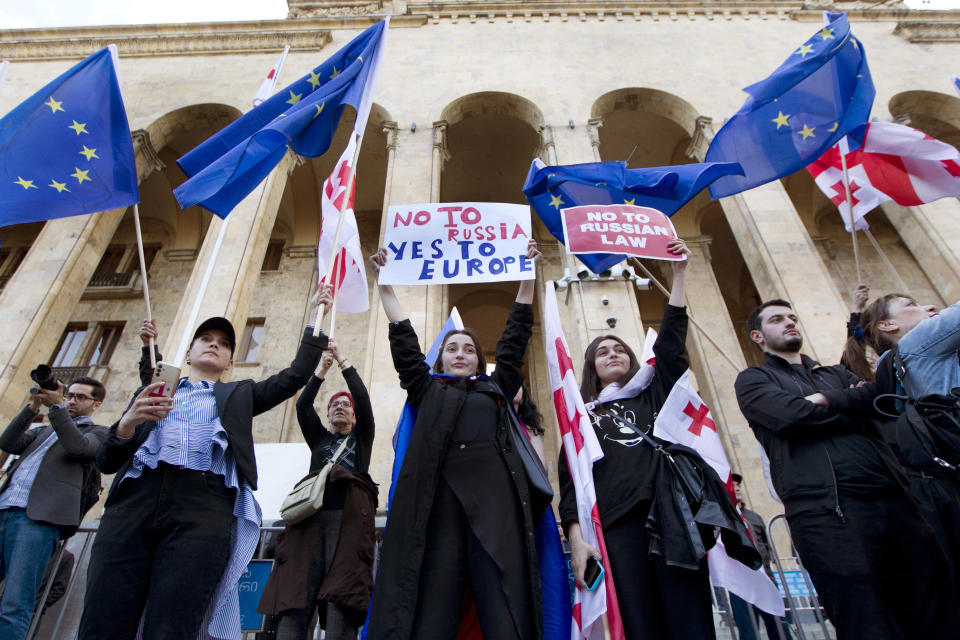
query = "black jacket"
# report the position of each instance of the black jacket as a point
(792, 430)
(237, 403)
(404, 542)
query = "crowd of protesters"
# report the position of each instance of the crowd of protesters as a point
(863, 455)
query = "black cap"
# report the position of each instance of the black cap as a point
(220, 324)
(737, 478)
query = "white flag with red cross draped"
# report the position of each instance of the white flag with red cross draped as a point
(582, 449)
(685, 419)
(349, 275)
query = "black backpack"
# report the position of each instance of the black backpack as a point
(927, 429)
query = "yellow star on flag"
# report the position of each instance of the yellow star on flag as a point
(319, 109)
(26, 184)
(54, 105)
(806, 132)
(630, 201)
(335, 72)
(804, 50)
(59, 186)
(89, 153)
(294, 97)
(782, 119)
(556, 201)
(79, 127)
(833, 128)
(825, 33)
(314, 79)
(80, 175)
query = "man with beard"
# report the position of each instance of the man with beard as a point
(874, 562)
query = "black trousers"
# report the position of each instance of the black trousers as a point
(939, 498)
(162, 547)
(454, 555)
(657, 601)
(878, 564)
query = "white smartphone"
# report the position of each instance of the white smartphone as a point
(170, 375)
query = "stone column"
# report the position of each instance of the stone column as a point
(37, 302)
(716, 374)
(784, 263)
(236, 266)
(436, 296)
(931, 234)
(409, 162)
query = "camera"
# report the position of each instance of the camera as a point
(604, 300)
(43, 376)
(611, 321)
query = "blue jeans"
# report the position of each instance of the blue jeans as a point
(25, 549)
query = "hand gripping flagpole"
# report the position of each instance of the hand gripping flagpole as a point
(336, 239)
(143, 277)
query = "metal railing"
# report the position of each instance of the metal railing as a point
(111, 279)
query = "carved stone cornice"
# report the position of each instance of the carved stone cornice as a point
(315, 8)
(929, 31)
(440, 139)
(152, 41)
(390, 128)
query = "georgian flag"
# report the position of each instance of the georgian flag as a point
(268, 84)
(582, 449)
(686, 419)
(350, 276)
(896, 163)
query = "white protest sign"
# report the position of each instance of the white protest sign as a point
(457, 242)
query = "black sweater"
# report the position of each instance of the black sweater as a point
(624, 476)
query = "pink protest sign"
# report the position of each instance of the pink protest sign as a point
(618, 228)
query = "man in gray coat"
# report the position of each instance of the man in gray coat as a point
(40, 501)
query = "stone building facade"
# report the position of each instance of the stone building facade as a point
(470, 92)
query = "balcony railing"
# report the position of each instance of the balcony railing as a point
(111, 279)
(66, 374)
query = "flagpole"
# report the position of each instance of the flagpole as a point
(706, 336)
(886, 261)
(332, 277)
(853, 225)
(143, 276)
(198, 299)
(321, 308)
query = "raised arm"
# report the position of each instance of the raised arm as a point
(678, 292)
(310, 424)
(512, 345)
(527, 287)
(388, 298)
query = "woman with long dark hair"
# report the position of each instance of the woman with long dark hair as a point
(461, 521)
(657, 600)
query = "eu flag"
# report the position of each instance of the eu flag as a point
(666, 189)
(820, 93)
(303, 117)
(67, 150)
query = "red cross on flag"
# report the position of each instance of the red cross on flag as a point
(685, 419)
(582, 449)
(350, 276)
(895, 163)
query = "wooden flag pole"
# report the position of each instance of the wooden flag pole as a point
(143, 276)
(853, 226)
(706, 336)
(336, 236)
(337, 264)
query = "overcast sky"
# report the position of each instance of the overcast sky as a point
(21, 14)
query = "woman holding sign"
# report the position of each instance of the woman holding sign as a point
(461, 523)
(657, 601)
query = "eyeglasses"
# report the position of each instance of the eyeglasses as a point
(341, 403)
(78, 397)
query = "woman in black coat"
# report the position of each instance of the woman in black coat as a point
(461, 521)
(657, 601)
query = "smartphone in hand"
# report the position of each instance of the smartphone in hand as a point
(170, 375)
(593, 574)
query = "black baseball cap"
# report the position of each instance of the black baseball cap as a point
(220, 324)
